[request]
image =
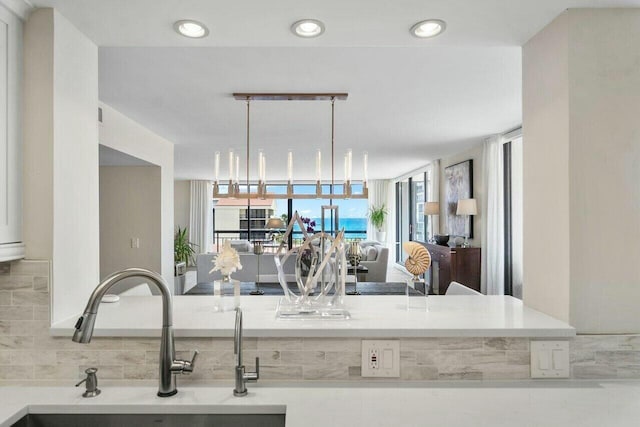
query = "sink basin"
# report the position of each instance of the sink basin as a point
(151, 420)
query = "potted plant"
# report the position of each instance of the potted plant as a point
(183, 249)
(377, 216)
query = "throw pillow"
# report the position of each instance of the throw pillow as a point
(372, 253)
(241, 245)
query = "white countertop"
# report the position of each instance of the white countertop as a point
(528, 404)
(371, 317)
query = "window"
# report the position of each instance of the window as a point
(418, 197)
(240, 218)
(411, 194)
(402, 217)
(352, 213)
(513, 210)
(237, 219)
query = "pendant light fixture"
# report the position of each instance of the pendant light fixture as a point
(233, 186)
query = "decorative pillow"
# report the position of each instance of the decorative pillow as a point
(371, 253)
(241, 245)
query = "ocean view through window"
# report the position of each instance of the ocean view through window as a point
(234, 223)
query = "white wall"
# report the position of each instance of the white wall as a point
(582, 169)
(604, 90)
(123, 134)
(61, 157)
(20, 8)
(545, 128)
(181, 204)
(130, 198)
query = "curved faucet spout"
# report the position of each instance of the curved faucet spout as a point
(85, 324)
(169, 366)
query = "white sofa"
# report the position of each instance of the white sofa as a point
(376, 258)
(249, 272)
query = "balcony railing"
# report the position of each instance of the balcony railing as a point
(261, 234)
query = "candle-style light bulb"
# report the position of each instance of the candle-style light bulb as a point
(231, 163)
(237, 169)
(349, 164)
(260, 164)
(319, 166)
(216, 167)
(290, 166)
(365, 167)
(264, 168)
(346, 168)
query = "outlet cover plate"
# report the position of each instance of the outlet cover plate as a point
(381, 358)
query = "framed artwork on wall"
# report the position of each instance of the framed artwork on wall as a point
(458, 180)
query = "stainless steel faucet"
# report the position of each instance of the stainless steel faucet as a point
(242, 377)
(169, 365)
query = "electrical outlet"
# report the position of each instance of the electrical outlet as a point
(550, 359)
(373, 358)
(381, 358)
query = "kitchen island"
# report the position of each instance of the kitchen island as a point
(453, 337)
(371, 317)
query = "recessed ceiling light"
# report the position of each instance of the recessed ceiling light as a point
(191, 28)
(428, 28)
(307, 28)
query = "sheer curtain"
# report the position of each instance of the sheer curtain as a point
(434, 194)
(378, 194)
(201, 216)
(493, 213)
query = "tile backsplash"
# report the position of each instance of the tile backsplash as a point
(28, 353)
(605, 356)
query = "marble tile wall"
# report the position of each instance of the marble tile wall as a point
(28, 353)
(605, 356)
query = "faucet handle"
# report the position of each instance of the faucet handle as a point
(188, 368)
(253, 376)
(185, 366)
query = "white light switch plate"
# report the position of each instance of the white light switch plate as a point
(381, 358)
(549, 359)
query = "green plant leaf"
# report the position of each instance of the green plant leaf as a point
(183, 249)
(377, 216)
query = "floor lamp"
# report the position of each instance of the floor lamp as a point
(258, 249)
(467, 207)
(431, 209)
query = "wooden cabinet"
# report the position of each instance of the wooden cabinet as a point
(11, 246)
(454, 264)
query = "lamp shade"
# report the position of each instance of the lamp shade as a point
(432, 208)
(467, 207)
(274, 223)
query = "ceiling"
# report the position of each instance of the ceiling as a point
(410, 100)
